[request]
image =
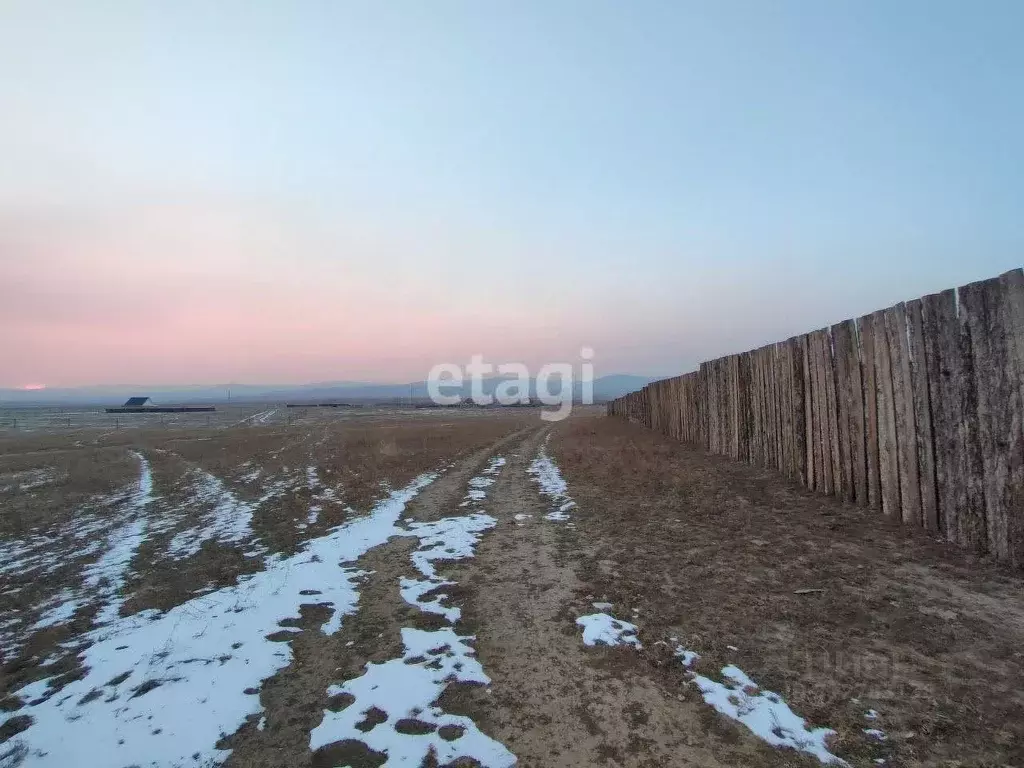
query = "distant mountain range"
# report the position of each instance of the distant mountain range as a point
(605, 388)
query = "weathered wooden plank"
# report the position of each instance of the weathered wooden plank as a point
(810, 468)
(782, 382)
(762, 410)
(762, 403)
(938, 313)
(832, 412)
(782, 371)
(813, 422)
(683, 414)
(733, 426)
(842, 342)
(797, 382)
(680, 388)
(971, 521)
(814, 417)
(669, 408)
(795, 410)
(666, 407)
(727, 407)
(822, 370)
(766, 407)
(866, 336)
(983, 310)
(757, 403)
(709, 406)
(720, 399)
(952, 434)
(769, 408)
(702, 401)
(888, 453)
(777, 399)
(746, 416)
(723, 405)
(906, 428)
(922, 416)
(830, 422)
(653, 393)
(1012, 491)
(741, 407)
(857, 425)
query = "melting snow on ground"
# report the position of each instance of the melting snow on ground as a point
(228, 522)
(401, 692)
(171, 685)
(737, 696)
(763, 712)
(478, 485)
(453, 538)
(27, 479)
(404, 689)
(250, 475)
(102, 580)
(602, 629)
(545, 473)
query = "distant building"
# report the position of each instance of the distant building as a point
(146, 405)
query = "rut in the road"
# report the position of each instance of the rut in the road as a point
(368, 689)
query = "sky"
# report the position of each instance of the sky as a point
(286, 192)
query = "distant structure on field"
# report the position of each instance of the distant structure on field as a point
(146, 405)
(319, 405)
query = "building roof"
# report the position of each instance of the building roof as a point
(135, 402)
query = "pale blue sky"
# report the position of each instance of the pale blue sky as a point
(398, 184)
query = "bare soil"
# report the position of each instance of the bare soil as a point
(720, 555)
(715, 553)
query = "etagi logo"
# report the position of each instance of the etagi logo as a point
(555, 384)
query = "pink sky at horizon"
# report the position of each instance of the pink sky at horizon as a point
(208, 293)
(178, 295)
(285, 193)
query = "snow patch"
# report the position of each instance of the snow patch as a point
(27, 479)
(453, 538)
(405, 688)
(59, 611)
(602, 629)
(228, 522)
(764, 713)
(160, 688)
(478, 485)
(549, 479)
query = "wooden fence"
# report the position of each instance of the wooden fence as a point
(916, 411)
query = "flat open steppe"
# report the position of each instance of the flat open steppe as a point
(332, 587)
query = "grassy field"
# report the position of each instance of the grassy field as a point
(330, 587)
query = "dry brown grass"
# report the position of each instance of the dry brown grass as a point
(712, 551)
(357, 458)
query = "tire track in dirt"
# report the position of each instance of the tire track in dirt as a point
(554, 702)
(294, 700)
